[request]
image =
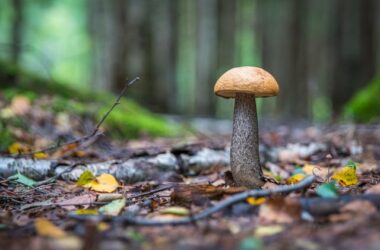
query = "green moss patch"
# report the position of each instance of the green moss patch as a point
(365, 106)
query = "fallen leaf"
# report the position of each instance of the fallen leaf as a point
(103, 183)
(20, 105)
(315, 170)
(86, 212)
(103, 226)
(18, 148)
(374, 189)
(20, 178)
(279, 210)
(40, 155)
(354, 209)
(359, 207)
(181, 211)
(47, 229)
(37, 204)
(295, 179)
(327, 190)
(306, 244)
(68, 242)
(346, 176)
(262, 231)
(352, 164)
(108, 197)
(255, 201)
(113, 208)
(251, 243)
(85, 178)
(82, 200)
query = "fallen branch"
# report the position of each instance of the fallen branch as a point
(95, 132)
(326, 206)
(157, 167)
(160, 189)
(129, 220)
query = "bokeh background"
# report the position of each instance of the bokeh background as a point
(325, 54)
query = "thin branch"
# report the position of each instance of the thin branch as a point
(117, 102)
(150, 192)
(306, 182)
(95, 132)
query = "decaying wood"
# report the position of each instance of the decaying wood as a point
(130, 171)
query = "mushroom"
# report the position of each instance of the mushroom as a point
(245, 84)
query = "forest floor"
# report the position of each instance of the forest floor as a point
(338, 210)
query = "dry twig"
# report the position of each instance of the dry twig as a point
(95, 132)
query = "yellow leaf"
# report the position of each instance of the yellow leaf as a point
(86, 212)
(103, 183)
(40, 155)
(255, 201)
(295, 179)
(45, 228)
(263, 231)
(181, 211)
(346, 176)
(17, 148)
(103, 226)
(315, 170)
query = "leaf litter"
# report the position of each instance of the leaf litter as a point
(347, 185)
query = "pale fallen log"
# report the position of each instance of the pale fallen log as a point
(129, 171)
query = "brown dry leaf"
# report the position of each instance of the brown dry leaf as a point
(47, 229)
(20, 105)
(361, 207)
(83, 200)
(103, 183)
(354, 209)
(287, 155)
(184, 195)
(367, 167)
(279, 210)
(374, 189)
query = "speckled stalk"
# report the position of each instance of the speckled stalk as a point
(245, 161)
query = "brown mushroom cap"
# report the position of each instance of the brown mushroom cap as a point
(247, 80)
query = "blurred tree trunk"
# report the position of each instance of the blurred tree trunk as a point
(138, 50)
(354, 52)
(17, 30)
(107, 29)
(186, 56)
(226, 48)
(206, 57)
(163, 27)
(281, 30)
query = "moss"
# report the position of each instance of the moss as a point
(364, 106)
(131, 120)
(127, 120)
(6, 138)
(9, 93)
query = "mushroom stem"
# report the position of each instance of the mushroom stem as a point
(245, 159)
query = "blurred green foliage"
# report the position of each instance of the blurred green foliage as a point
(365, 105)
(127, 120)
